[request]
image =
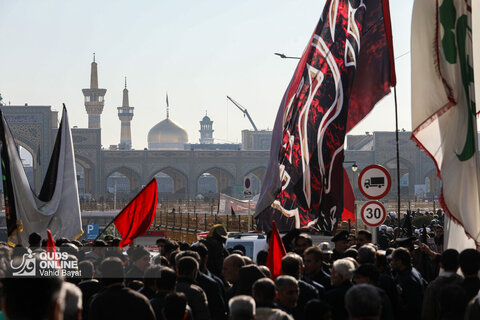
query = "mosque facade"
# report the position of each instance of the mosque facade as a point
(184, 169)
(187, 169)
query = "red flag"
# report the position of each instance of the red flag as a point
(276, 251)
(51, 250)
(138, 215)
(346, 68)
(348, 199)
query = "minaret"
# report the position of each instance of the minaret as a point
(125, 114)
(206, 131)
(94, 99)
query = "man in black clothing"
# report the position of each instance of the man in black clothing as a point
(216, 303)
(217, 252)
(341, 245)
(410, 285)
(369, 274)
(32, 298)
(431, 302)
(231, 273)
(469, 260)
(341, 279)
(202, 250)
(149, 287)
(140, 261)
(314, 272)
(187, 269)
(165, 284)
(292, 265)
(263, 291)
(363, 302)
(287, 295)
(115, 301)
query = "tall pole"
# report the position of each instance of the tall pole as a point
(398, 157)
(115, 196)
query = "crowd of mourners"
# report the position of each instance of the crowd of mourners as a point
(410, 277)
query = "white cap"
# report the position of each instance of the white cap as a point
(325, 247)
(382, 228)
(389, 229)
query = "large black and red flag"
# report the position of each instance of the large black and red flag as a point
(345, 70)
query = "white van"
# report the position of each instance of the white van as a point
(253, 243)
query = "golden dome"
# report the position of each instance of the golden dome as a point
(167, 135)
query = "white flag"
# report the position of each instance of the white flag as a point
(57, 207)
(444, 112)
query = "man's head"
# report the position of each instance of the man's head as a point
(87, 269)
(35, 240)
(363, 237)
(202, 250)
(100, 247)
(187, 253)
(32, 298)
(287, 291)
(302, 242)
(112, 271)
(187, 267)
(292, 265)
(470, 262)
(366, 274)
(366, 254)
(231, 267)
(150, 275)
(342, 270)
(169, 247)
(449, 260)
(141, 258)
(175, 306)
(263, 291)
(341, 241)
(167, 280)
(438, 231)
(160, 245)
(73, 301)
(313, 261)
(363, 302)
(401, 259)
(242, 308)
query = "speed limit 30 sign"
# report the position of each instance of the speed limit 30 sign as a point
(373, 213)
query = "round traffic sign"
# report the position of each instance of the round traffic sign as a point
(373, 213)
(374, 182)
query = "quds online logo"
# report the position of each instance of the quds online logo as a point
(27, 267)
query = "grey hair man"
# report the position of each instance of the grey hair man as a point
(367, 254)
(287, 294)
(242, 308)
(73, 301)
(342, 273)
(363, 302)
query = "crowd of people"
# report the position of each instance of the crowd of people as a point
(403, 278)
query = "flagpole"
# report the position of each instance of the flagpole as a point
(123, 209)
(398, 157)
(108, 225)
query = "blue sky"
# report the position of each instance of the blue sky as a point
(198, 51)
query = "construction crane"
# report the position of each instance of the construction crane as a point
(245, 112)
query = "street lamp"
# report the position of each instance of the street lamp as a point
(354, 165)
(281, 55)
